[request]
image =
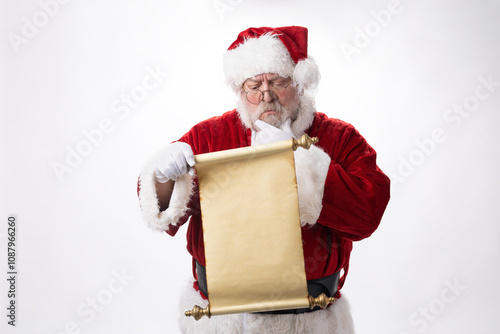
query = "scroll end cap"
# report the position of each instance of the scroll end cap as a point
(305, 142)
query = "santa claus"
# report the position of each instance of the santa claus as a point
(342, 192)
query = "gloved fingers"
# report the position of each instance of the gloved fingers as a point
(188, 154)
(272, 134)
(286, 124)
(178, 157)
(263, 126)
(179, 164)
(267, 133)
(160, 177)
(286, 127)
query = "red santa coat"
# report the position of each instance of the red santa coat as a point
(342, 196)
(355, 191)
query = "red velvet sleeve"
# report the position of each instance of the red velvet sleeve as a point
(356, 191)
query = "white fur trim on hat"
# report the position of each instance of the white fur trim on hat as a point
(311, 168)
(265, 54)
(178, 206)
(336, 319)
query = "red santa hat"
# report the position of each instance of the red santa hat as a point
(271, 50)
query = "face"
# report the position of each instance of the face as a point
(277, 104)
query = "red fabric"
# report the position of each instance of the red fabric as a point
(356, 190)
(294, 38)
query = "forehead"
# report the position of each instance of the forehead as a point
(265, 76)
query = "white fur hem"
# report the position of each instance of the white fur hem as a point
(334, 320)
(230, 324)
(178, 206)
(311, 168)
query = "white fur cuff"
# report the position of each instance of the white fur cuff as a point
(178, 206)
(311, 168)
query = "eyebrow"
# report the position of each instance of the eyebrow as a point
(253, 81)
(257, 81)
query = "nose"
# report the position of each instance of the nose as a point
(268, 97)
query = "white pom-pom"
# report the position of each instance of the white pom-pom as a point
(306, 74)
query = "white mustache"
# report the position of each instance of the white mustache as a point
(263, 107)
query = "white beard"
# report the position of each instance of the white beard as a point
(301, 117)
(282, 114)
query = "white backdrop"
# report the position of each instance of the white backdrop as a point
(90, 88)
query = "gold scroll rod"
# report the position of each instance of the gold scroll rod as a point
(243, 152)
(322, 301)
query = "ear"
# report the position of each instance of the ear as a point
(299, 89)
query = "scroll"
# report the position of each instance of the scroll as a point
(251, 230)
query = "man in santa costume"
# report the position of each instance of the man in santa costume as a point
(342, 192)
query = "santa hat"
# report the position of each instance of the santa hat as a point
(271, 50)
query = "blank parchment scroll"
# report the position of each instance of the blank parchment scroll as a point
(251, 229)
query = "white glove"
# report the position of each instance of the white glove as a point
(270, 134)
(175, 162)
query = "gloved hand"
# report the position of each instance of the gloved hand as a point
(175, 162)
(270, 134)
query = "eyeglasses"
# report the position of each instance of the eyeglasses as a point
(277, 86)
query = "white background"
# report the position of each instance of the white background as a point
(76, 232)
